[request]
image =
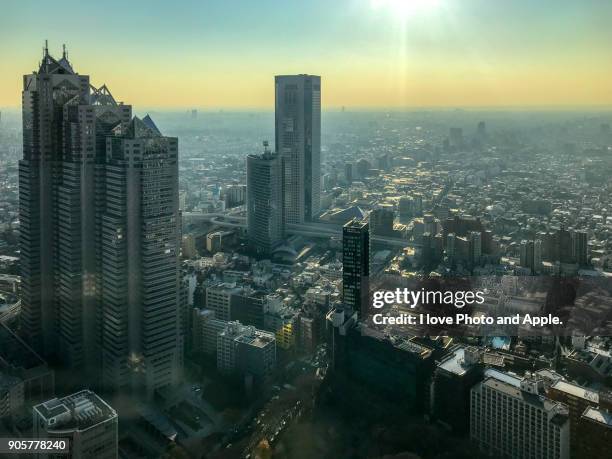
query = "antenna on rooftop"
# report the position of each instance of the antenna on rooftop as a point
(265, 145)
(64, 54)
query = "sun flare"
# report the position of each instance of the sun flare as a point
(404, 8)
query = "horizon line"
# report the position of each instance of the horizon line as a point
(366, 108)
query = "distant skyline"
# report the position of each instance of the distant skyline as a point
(370, 53)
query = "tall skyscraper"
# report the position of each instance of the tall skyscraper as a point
(65, 121)
(580, 247)
(140, 244)
(298, 142)
(99, 231)
(264, 201)
(527, 255)
(356, 266)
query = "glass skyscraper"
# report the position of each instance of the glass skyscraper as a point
(298, 141)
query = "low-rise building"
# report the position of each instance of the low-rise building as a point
(87, 421)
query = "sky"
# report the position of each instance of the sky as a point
(212, 54)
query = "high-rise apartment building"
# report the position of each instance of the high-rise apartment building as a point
(356, 266)
(264, 202)
(298, 142)
(99, 232)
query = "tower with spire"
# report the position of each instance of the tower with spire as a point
(69, 195)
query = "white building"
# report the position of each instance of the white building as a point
(509, 418)
(87, 421)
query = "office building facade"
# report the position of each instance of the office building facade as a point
(99, 231)
(510, 418)
(264, 202)
(298, 142)
(140, 243)
(356, 266)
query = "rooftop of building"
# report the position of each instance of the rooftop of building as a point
(247, 334)
(507, 378)
(576, 391)
(457, 363)
(598, 415)
(258, 339)
(558, 410)
(79, 411)
(356, 222)
(51, 65)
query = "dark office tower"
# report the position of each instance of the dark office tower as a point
(564, 245)
(481, 130)
(348, 173)
(453, 379)
(456, 137)
(356, 266)
(140, 241)
(580, 247)
(381, 222)
(527, 254)
(65, 120)
(298, 142)
(264, 201)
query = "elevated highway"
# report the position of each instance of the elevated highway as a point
(314, 230)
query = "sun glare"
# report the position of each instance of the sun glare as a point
(404, 8)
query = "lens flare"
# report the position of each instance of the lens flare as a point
(405, 8)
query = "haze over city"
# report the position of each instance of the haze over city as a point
(353, 229)
(370, 53)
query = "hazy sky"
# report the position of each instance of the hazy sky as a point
(369, 53)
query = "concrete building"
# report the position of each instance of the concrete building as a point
(580, 247)
(217, 240)
(188, 246)
(219, 299)
(509, 417)
(65, 121)
(453, 379)
(140, 239)
(99, 230)
(205, 330)
(246, 350)
(594, 435)
(578, 399)
(87, 421)
(298, 142)
(265, 224)
(247, 307)
(381, 222)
